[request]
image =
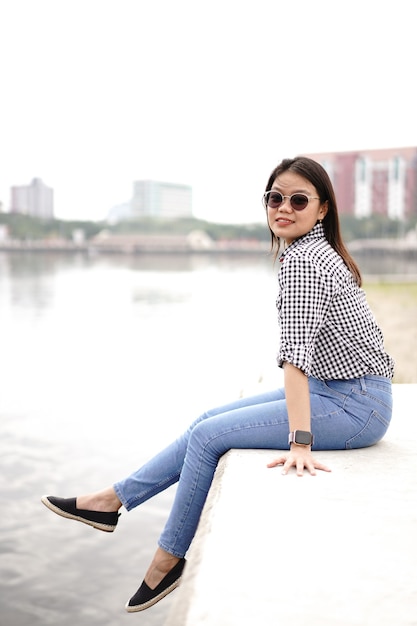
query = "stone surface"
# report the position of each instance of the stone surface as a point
(336, 549)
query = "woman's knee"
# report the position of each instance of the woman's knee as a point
(204, 441)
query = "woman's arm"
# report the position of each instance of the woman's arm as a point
(297, 395)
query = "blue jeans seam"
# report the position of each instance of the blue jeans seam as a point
(376, 415)
(147, 494)
(376, 399)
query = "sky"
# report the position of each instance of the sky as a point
(98, 93)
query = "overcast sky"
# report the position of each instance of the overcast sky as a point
(98, 93)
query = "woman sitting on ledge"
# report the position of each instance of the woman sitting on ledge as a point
(337, 381)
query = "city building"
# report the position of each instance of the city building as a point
(35, 199)
(374, 182)
(157, 199)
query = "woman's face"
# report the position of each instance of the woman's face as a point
(287, 223)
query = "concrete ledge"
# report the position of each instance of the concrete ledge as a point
(336, 549)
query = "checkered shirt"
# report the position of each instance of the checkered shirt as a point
(327, 328)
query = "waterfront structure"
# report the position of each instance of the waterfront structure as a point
(36, 199)
(158, 199)
(119, 212)
(373, 182)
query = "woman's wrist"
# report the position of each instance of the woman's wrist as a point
(301, 438)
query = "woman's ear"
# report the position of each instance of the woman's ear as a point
(323, 210)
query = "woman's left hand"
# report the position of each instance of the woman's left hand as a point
(299, 457)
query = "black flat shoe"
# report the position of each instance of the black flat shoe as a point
(146, 597)
(66, 507)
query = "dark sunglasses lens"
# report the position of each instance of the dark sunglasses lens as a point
(274, 200)
(299, 201)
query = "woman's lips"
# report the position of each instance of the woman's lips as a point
(282, 221)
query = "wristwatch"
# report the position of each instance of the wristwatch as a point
(302, 437)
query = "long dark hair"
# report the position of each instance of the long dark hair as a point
(317, 175)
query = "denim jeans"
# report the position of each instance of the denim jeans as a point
(345, 414)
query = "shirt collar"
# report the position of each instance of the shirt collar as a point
(317, 232)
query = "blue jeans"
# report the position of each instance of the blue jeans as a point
(345, 414)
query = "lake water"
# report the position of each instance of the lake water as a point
(103, 362)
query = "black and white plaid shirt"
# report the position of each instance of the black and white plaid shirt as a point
(327, 328)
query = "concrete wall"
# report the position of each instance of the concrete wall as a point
(336, 549)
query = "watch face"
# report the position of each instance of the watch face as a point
(303, 437)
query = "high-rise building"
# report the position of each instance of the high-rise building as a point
(157, 199)
(370, 182)
(35, 199)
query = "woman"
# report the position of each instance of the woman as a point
(337, 381)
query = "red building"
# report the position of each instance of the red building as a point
(374, 182)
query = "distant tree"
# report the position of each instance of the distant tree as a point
(25, 227)
(375, 226)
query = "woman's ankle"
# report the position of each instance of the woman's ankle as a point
(105, 501)
(161, 564)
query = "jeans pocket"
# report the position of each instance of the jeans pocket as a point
(372, 432)
(335, 390)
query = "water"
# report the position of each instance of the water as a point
(104, 361)
(391, 262)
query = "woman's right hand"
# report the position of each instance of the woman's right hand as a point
(301, 458)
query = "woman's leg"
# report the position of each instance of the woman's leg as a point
(344, 414)
(263, 425)
(248, 423)
(162, 470)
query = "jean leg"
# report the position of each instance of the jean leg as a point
(164, 469)
(345, 414)
(261, 426)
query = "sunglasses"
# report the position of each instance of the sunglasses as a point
(298, 201)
